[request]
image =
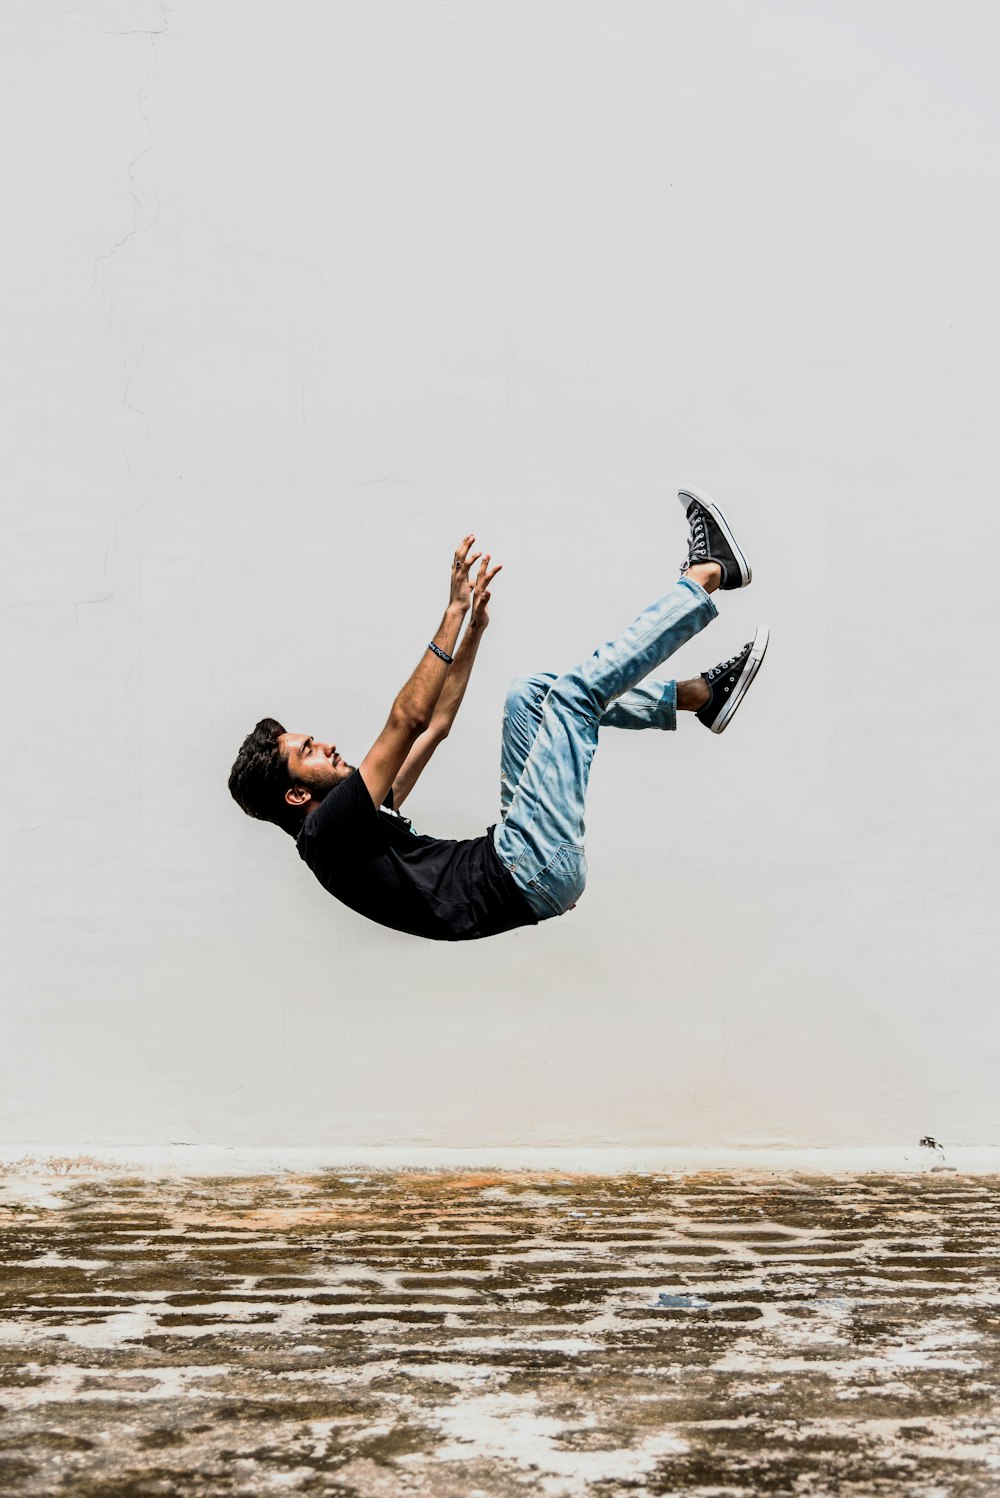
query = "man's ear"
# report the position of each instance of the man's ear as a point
(297, 795)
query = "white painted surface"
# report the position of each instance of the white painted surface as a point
(290, 302)
(25, 1172)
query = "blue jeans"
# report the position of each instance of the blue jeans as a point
(550, 727)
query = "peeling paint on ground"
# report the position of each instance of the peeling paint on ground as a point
(481, 1335)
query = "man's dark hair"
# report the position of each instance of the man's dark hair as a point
(259, 778)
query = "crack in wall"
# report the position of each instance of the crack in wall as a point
(144, 93)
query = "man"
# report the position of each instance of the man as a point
(531, 866)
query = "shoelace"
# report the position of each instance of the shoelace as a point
(724, 666)
(698, 543)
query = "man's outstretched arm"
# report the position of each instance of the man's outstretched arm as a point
(453, 690)
(414, 706)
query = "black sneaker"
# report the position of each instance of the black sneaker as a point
(728, 682)
(711, 539)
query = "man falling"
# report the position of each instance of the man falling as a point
(530, 865)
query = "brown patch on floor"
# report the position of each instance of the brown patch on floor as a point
(485, 1334)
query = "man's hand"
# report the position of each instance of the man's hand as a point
(461, 588)
(481, 593)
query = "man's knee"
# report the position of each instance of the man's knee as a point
(574, 694)
(528, 689)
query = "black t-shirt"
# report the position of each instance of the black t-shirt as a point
(370, 859)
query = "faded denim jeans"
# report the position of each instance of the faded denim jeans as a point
(550, 728)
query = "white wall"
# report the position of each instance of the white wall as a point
(294, 296)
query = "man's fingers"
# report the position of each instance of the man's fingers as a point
(485, 573)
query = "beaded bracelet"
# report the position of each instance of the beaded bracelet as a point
(441, 654)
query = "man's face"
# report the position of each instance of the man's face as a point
(312, 764)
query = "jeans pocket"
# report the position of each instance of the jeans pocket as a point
(563, 879)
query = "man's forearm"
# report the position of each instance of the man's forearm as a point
(456, 681)
(418, 699)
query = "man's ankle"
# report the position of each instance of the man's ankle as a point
(691, 695)
(707, 574)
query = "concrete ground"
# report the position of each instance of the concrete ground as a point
(500, 1334)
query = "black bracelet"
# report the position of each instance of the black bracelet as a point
(441, 654)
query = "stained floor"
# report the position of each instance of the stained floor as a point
(479, 1336)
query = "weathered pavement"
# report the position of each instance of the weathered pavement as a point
(500, 1334)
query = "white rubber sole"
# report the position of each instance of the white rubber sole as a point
(750, 669)
(686, 496)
